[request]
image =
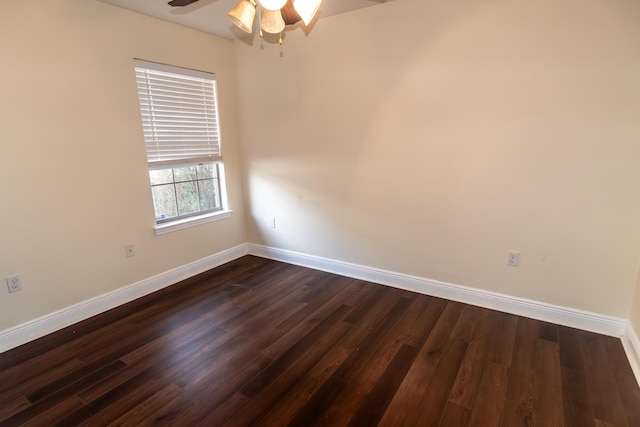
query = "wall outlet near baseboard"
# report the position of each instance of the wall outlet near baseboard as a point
(14, 283)
(512, 258)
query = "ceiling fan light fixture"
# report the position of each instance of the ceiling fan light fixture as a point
(243, 15)
(289, 14)
(272, 4)
(272, 21)
(307, 9)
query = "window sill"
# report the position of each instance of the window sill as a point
(180, 224)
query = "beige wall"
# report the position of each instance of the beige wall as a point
(416, 136)
(634, 316)
(72, 161)
(428, 138)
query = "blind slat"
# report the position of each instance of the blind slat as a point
(179, 114)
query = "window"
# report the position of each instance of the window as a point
(185, 190)
(182, 138)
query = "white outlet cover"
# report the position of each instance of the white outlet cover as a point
(14, 283)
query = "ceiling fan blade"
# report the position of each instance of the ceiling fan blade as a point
(181, 3)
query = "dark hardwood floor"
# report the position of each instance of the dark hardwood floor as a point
(262, 343)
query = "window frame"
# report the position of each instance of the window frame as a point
(216, 180)
(173, 126)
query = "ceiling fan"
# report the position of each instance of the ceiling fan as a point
(273, 15)
(276, 14)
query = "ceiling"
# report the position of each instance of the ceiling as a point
(211, 15)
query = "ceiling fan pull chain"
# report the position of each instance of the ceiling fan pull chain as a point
(259, 8)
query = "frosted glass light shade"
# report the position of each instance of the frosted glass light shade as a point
(273, 4)
(242, 15)
(272, 21)
(307, 9)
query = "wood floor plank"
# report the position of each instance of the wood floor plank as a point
(518, 409)
(33, 383)
(276, 380)
(204, 329)
(418, 320)
(203, 399)
(571, 356)
(102, 413)
(372, 362)
(466, 324)
(575, 397)
(492, 396)
(501, 349)
(136, 415)
(547, 404)
(600, 423)
(367, 366)
(313, 413)
(365, 305)
(384, 325)
(431, 407)
(401, 409)
(377, 400)
(327, 326)
(607, 407)
(149, 331)
(226, 412)
(61, 394)
(79, 379)
(467, 384)
(153, 365)
(369, 319)
(548, 331)
(324, 295)
(110, 405)
(52, 413)
(455, 416)
(321, 312)
(158, 369)
(257, 342)
(304, 391)
(372, 340)
(278, 285)
(321, 289)
(13, 406)
(627, 384)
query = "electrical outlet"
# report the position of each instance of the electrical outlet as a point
(129, 251)
(272, 223)
(512, 258)
(14, 283)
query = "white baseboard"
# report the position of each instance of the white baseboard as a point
(21, 334)
(631, 345)
(29, 331)
(523, 307)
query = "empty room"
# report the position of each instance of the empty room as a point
(331, 213)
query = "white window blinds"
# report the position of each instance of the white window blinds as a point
(179, 114)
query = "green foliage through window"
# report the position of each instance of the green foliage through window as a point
(185, 190)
